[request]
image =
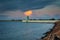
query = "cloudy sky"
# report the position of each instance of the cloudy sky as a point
(42, 9)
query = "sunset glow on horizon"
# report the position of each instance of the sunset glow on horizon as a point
(28, 13)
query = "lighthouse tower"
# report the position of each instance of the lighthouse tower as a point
(27, 14)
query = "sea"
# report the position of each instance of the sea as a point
(23, 31)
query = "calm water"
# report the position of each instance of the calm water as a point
(22, 31)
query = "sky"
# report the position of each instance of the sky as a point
(41, 9)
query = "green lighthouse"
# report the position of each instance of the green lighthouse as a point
(28, 13)
(27, 18)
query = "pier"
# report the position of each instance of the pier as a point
(41, 21)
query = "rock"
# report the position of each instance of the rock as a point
(54, 33)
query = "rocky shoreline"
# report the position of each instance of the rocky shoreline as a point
(53, 34)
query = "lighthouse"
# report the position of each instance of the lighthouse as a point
(27, 14)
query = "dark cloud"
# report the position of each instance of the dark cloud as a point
(23, 4)
(3, 17)
(14, 8)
